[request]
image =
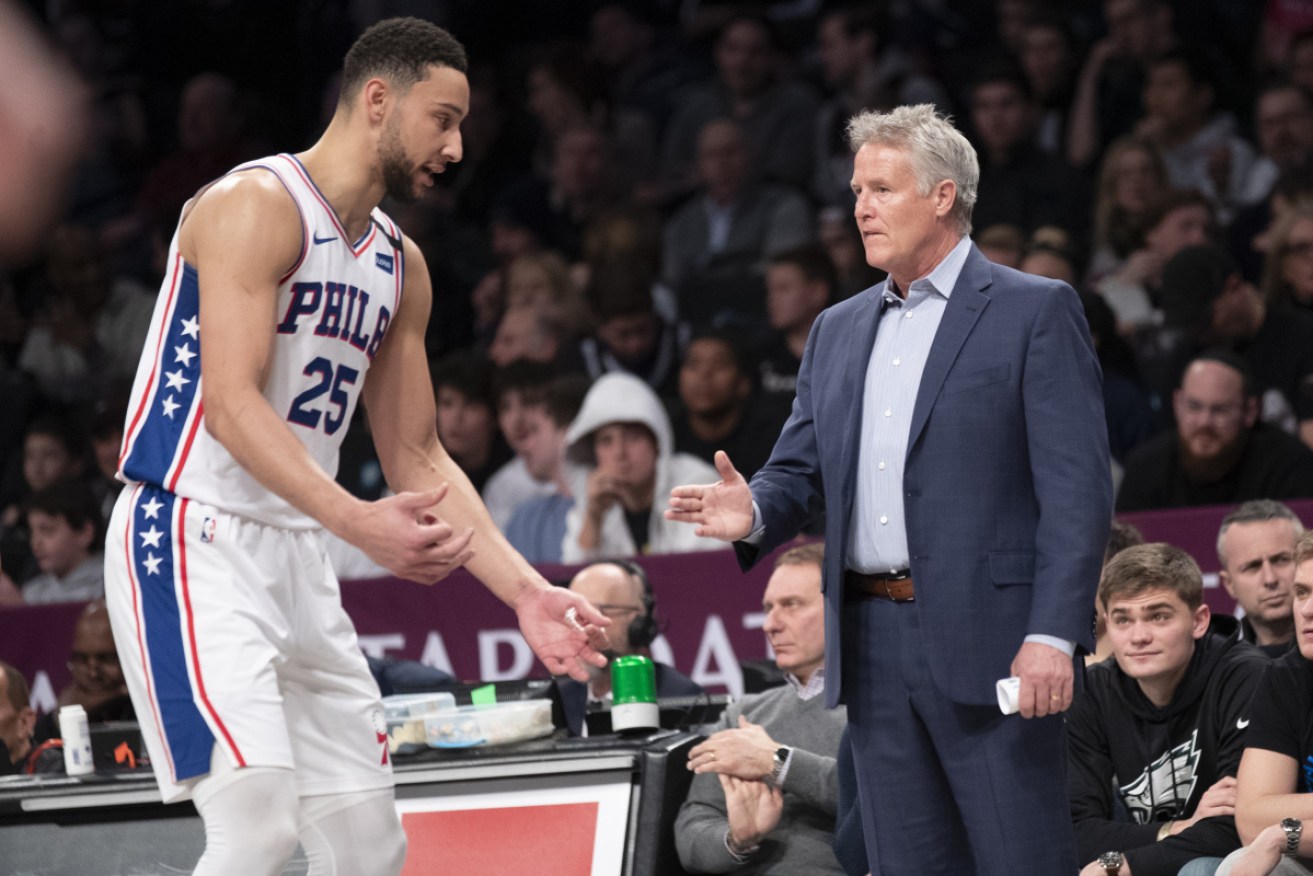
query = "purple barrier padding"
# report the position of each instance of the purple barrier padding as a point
(709, 611)
(36, 640)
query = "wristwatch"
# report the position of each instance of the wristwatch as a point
(1111, 862)
(781, 757)
(1293, 828)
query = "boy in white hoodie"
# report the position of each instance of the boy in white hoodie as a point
(623, 436)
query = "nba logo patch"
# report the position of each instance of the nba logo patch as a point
(207, 530)
(383, 261)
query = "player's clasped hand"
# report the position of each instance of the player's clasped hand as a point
(404, 535)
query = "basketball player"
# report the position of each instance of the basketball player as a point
(286, 286)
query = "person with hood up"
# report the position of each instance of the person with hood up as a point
(1159, 729)
(623, 436)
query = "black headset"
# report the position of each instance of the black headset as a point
(643, 629)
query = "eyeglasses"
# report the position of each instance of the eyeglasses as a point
(1196, 408)
(80, 660)
(612, 610)
(1302, 250)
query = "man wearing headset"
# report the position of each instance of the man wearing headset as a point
(620, 590)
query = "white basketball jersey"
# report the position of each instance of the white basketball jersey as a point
(334, 307)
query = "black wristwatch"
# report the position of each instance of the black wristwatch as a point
(1294, 828)
(781, 757)
(1111, 862)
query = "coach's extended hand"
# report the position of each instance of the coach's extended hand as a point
(722, 510)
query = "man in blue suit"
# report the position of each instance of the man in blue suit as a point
(949, 423)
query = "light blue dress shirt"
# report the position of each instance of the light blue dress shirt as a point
(877, 536)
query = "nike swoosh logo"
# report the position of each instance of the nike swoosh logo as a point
(1241, 724)
(319, 240)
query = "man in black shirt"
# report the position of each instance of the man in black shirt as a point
(1273, 799)
(1256, 550)
(800, 283)
(1157, 731)
(1205, 295)
(1219, 453)
(719, 407)
(620, 590)
(1019, 183)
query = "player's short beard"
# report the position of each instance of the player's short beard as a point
(398, 174)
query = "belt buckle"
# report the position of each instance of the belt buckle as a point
(888, 582)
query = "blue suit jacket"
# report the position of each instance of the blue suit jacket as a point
(1007, 486)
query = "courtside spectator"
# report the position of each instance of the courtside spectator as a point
(1159, 728)
(1256, 549)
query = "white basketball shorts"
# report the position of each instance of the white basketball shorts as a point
(231, 633)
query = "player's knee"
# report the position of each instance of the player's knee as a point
(250, 822)
(261, 845)
(358, 834)
(278, 836)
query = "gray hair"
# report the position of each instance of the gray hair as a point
(1257, 511)
(936, 150)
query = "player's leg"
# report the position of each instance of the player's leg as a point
(349, 823)
(250, 816)
(355, 834)
(199, 603)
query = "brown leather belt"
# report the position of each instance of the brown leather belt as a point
(896, 586)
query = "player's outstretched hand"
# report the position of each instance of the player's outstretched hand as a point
(404, 535)
(564, 630)
(722, 510)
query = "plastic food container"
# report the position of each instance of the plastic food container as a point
(469, 726)
(405, 715)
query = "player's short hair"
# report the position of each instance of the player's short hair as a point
(400, 50)
(1153, 566)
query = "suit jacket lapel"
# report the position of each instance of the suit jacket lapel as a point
(965, 305)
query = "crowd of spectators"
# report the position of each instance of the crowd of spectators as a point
(661, 190)
(652, 209)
